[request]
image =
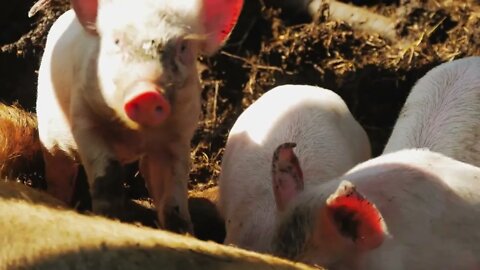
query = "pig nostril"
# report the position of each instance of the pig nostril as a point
(147, 108)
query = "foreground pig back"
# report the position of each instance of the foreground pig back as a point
(329, 142)
(412, 209)
(38, 233)
(442, 112)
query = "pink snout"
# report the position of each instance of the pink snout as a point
(147, 107)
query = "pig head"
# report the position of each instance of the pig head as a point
(410, 209)
(117, 83)
(342, 226)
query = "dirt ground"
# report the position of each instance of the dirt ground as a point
(270, 47)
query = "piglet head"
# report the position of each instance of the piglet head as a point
(146, 58)
(328, 232)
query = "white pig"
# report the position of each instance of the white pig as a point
(442, 113)
(118, 82)
(412, 209)
(330, 142)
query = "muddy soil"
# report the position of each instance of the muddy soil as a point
(270, 47)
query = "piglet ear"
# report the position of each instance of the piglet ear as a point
(219, 17)
(355, 217)
(287, 176)
(86, 11)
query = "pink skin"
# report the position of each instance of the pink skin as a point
(87, 12)
(287, 175)
(147, 106)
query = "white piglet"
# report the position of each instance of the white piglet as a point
(442, 113)
(329, 142)
(412, 209)
(118, 82)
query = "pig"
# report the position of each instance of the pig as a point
(118, 82)
(20, 148)
(410, 209)
(40, 232)
(330, 142)
(442, 113)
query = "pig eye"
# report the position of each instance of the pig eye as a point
(183, 46)
(183, 51)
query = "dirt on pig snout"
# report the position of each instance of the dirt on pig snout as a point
(269, 47)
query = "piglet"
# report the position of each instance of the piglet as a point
(412, 209)
(442, 112)
(329, 139)
(118, 82)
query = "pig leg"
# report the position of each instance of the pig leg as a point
(60, 173)
(104, 171)
(166, 173)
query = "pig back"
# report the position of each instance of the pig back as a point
(329, 142)
(442, 113)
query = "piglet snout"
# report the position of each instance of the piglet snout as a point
(147, 106)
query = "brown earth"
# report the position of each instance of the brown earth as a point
(270, 47)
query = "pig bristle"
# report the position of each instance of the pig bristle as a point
(18, 136)
(293, 234)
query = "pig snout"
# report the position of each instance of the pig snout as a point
(146, 105)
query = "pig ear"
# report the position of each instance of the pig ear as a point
(86, 11)
(287, 176)
(219, 17)
(355, 217)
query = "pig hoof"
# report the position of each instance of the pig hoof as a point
(111, 209)
(108, 194)
(175, 223)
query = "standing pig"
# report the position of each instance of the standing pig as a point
(118, 82)
(442, 113)
(412, 209)
(330, 142)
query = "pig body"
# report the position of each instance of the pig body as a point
(330, 142)
(412, 209)
(38, 232)
(442, 113)
(117, 83)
